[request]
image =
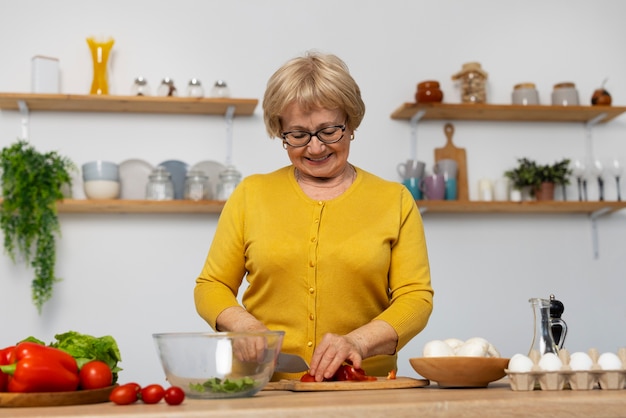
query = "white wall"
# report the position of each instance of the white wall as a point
(132, 275)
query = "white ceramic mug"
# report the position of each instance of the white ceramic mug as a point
(411, 169)
(447, 167)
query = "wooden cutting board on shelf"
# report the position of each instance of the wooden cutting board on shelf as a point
(452, 152)
(381, 383)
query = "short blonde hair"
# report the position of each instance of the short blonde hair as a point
(313, 80)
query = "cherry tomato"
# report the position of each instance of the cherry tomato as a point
(135, 386)
(174, 395)
(307, 378)
(95, 375)
(152, 394)
(124, 395)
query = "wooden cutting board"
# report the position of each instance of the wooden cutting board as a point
(78, 397)
(452, 152)
(381, 383)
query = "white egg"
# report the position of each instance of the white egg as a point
(437, 348)
(610, 361)
(492, 351)
(474, 347)
(520, 363)
(580, 361)
(454, 343)
(550, 362)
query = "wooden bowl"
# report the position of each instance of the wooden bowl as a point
(460, 372)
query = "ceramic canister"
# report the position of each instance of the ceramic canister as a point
(565, 94)
(525, 94)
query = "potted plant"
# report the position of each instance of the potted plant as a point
(524, 177)
(551, 175)
(31, 185)
(539, 180)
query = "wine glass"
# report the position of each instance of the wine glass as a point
(579, 169)
(615, 168)
(597, 170)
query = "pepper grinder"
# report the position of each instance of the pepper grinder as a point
(558, 326)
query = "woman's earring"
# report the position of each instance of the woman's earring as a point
(285, 144)
(352, 137)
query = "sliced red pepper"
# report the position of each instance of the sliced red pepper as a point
(349, 372)
(5, 355)
(37, 368)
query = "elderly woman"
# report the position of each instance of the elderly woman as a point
(333, 255)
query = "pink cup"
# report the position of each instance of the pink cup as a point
(434, 187)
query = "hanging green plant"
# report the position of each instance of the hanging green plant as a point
(32, 183)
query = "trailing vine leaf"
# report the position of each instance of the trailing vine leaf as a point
(31, 184)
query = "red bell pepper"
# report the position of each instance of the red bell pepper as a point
(37, 368)
(5, 354)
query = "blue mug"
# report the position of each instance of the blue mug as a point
(413, 184)
(451, 189)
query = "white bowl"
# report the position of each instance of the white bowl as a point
(100, 170)
(210, 365)
(102, 189)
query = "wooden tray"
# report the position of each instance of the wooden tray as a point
(381, 383)
(78, 397)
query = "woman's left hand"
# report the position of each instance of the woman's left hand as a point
(332, 352)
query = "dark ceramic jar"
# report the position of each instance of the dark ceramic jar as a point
(428, 92)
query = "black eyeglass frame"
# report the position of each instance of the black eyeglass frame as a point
(314, 134)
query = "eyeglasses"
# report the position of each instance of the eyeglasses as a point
(326, 135)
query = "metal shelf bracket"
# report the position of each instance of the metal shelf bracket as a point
(413, 122)
(594, 230)
(21, 104)
(229, 116)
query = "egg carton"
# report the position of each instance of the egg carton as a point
(566, 377)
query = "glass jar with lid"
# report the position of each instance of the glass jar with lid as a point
(220, 89)
(194, 88)
(160, 186)
(167, 88)
(140, 87)
(229, 179)
(473, 83)
(197, 186)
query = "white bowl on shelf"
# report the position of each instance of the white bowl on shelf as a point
(100, 170)
(102, 189)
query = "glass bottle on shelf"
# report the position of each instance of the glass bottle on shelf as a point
(194, 88)
(229, 179)
(197, 186)
(220, 89)
(160, 186)
(140, 87)
(167, 88)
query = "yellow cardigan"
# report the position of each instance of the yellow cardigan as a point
(315, 267)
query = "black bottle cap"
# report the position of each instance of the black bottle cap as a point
(556, 307)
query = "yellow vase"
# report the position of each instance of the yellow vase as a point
(100, 51)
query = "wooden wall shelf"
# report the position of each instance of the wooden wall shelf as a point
(492, 112)
(546, 207)
(127, 104)
(139, 206)
(425, 206)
